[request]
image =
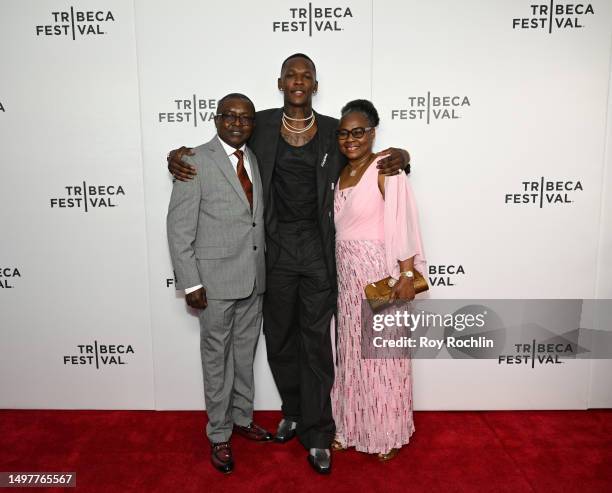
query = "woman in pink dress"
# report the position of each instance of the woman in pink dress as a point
(377, 235)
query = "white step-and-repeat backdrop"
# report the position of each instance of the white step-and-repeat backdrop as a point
(505, 106)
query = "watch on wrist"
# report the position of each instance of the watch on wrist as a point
(407, 273)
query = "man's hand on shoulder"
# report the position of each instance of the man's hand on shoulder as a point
(176, 166)
(396, 160)
(197, 299)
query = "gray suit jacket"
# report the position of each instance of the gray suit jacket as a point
(214, 238)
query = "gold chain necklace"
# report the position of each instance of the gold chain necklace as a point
(354, 171)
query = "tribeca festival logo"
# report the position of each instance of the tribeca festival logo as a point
(544, 192)
(313, 20)
(445, 275)
(73, 23)
(171, 281)
(100, 355)
(8, 277)
(88, 197)
(431, 108)
(541, 353)
(190, 111)
(551, 16)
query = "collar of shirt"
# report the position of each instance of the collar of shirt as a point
(229, 151)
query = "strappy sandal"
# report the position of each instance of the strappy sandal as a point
(384, 457)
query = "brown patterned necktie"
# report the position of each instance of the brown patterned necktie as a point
(247, 186)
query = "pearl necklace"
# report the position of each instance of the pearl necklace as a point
(297, 130)
(287, 117)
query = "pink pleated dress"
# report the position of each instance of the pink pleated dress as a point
(372, 398)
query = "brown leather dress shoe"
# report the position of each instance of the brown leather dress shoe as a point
(254, 432)
(221, 457)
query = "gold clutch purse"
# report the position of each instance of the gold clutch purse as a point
(379, 293)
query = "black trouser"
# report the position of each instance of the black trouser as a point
(298, 306)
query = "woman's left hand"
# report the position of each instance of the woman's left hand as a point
(403, 290)
(395, 160)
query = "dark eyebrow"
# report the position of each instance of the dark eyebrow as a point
(306, 71)
(231, 112)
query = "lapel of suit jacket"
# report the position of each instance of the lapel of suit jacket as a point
(270, 133)
(225, 165)
(326, 141)
(256, 179)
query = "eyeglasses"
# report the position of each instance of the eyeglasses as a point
(231, 118)
(356, 132)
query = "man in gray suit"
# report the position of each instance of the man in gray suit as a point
(216, 237)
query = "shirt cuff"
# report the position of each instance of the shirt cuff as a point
(192, 289)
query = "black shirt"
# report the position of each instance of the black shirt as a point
(295, 181)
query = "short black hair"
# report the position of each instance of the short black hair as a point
(235, 95)
(364, 107)
(298, 55)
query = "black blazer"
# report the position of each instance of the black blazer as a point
(330, 162)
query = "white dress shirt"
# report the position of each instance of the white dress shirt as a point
(229, 150)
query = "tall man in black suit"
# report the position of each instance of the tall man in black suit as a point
(299, 162)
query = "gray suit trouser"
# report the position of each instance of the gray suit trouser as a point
(229, 330)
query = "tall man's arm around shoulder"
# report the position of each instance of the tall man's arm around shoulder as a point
(182, 225)
(179, 167)
(397, 160)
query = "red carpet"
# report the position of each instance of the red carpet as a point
(147, 451)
